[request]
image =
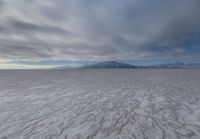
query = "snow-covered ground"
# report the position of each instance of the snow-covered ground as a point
(100, 104)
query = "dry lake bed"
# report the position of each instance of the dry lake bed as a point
(100, 104)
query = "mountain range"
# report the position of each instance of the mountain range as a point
(120, 65)
(110, 65)
(177, 65)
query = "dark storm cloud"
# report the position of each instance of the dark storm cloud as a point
(99, 30)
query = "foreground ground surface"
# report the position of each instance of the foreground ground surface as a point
(100, 104)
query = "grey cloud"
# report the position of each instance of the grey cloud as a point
(33, 27)
(1, 6)
(20, 50)
(100, 29)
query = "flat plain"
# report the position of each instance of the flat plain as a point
(100, 104)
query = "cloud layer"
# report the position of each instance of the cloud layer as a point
(96, 30)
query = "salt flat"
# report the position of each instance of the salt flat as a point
(100, 104)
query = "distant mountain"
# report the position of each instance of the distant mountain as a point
(119, 65)
(110, 65)
(176, 65)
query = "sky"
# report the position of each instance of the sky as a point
(52, 33)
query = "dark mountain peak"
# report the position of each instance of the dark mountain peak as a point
(109, 64)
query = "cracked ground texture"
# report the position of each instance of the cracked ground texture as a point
(100, 104)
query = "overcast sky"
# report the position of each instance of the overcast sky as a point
(47, 33)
